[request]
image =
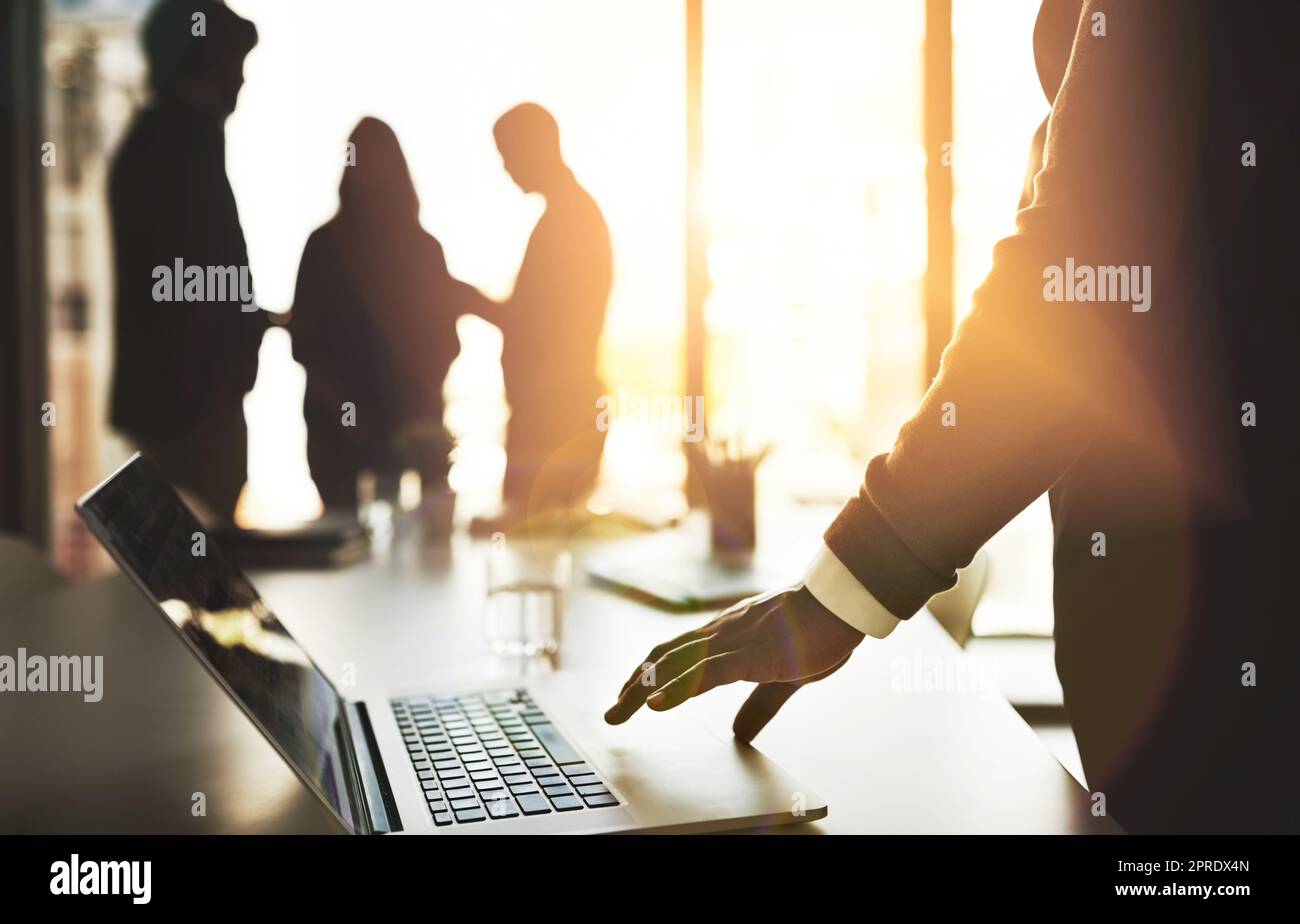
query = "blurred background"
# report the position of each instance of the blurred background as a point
(801, 197)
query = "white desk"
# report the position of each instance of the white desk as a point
(888, 759)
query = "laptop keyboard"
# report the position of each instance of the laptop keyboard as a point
(493, 755)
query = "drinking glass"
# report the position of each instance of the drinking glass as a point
(527, 589)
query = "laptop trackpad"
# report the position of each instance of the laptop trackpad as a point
(673, 772)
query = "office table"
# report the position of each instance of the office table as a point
(902, 739)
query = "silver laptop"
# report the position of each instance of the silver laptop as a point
(493, 759)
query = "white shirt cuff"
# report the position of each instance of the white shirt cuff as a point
(839, 591)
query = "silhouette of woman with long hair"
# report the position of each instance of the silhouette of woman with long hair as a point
(373, 324)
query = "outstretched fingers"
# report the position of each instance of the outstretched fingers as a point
(728, 667)
(654, 676)
(645, 673)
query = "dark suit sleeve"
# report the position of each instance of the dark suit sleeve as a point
(1027, 383)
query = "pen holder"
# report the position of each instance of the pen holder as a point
(732, 520)
(725, 479)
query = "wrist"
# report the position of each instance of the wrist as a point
(809, 606)
(839, 592)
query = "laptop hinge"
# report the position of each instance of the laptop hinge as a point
(370, 781)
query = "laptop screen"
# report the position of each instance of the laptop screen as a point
(156, 539)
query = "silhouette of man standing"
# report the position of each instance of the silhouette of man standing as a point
(551, 325)
(182, 366)
(1173, 505)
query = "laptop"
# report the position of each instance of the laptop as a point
(492, 758)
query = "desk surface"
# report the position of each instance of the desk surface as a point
(905, 738)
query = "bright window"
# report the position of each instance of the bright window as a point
(814, 177)
(441, 73)
(997, 105)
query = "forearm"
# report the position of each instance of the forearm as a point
(1011, 409)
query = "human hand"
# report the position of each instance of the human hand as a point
(780, 641)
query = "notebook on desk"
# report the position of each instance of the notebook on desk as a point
(334, 540)
(675, 570)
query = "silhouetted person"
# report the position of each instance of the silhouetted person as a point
(1160, 423)
(374, 325)
(186, 348)
(551, 325)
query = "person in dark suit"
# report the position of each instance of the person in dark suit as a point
(374, 325)
(551, 326)
(185, 349)
(1160, 422)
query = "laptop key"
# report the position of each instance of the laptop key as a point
(442, 818)
(520, 788)
(534, 804)
(460, 804)
(575, 769)
(584, 779)
(558, 791)
(469, 815)
(566, 803)
(514, 779)
(554, 742)
(597, 790)
(600, 801)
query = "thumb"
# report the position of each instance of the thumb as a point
(766, 701)
(758, 709)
